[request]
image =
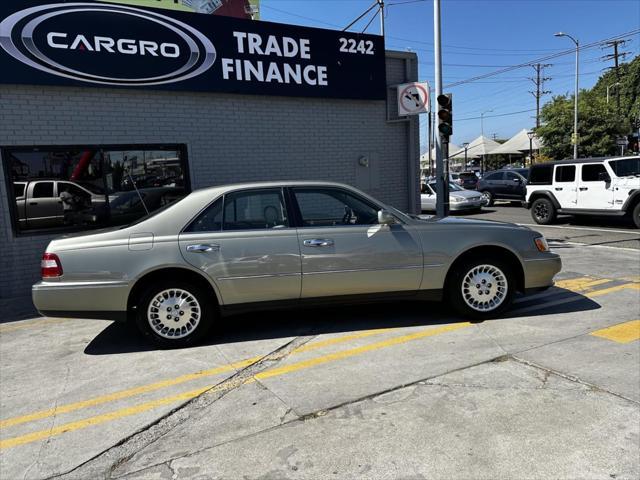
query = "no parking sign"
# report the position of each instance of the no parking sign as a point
(413, 98)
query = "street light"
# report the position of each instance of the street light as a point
(575, 108)
(465, 145)
(531, 134)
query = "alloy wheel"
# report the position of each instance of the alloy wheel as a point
(174, 313)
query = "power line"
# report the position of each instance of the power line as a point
(494, 116)
(615, 57)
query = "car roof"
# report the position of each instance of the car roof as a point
(584, 160)
(274, 184)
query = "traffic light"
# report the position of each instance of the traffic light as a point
(445, 115)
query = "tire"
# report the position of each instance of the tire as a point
(543, 212)
(156, 312)
(469, 300)
(488, 198)
(635, 215)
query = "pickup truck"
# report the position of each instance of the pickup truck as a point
(39, 204)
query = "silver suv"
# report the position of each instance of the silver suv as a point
(264, 245)
(590, 186)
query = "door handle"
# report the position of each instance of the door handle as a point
(318, 242)
(582, 189)
(33, 203)
(558, 188)
(203, 248)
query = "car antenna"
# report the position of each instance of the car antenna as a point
(133, 182)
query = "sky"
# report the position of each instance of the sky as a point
(482, 36)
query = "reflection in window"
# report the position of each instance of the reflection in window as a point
(90, 187)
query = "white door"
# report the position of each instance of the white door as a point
(594, 191)
(565, 186)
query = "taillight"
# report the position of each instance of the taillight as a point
(51, 266)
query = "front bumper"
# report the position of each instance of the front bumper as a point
(457, 207)
(92, 300)
(539, 272)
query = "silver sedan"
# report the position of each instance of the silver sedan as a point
(459, 198)
(258, 246)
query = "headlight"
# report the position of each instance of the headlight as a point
(541, 244)
(457, 199)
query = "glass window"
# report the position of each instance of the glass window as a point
(43, 190)
(591, 172)
(626, 167)
(494, 176)
(90, 186)
(333, 207)
(512, 176)
(208, 221)
(541, 175)
(18, 189)
(565, 173)
(255, 210)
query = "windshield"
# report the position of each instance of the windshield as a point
(626, 167)
(452, 186)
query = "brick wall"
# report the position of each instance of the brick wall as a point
(229, 138)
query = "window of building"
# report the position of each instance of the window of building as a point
(566, 173)
(591, 172)
(86, 187)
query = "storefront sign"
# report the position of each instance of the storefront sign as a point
(103, 44)
(231, 8)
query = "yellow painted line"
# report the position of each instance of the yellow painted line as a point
(581, 284)
(622, 333)
(143, 407)
(617, 288)
(174, 381)
(20, 325)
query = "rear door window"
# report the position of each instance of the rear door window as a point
(541, 175)
(43, 190)
(565, 173)
(591, 172)
(493, 176)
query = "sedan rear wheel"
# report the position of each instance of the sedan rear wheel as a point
(482, 288)
(174, 314)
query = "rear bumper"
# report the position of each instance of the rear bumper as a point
(91, 300)
(539, 272)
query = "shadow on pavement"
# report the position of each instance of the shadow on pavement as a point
(120, 338)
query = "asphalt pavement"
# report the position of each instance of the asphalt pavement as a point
(595, 230)
(400, 390)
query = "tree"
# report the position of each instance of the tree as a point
(599, 123)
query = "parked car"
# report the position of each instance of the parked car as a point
(459, 198)
(246, 247)
(504, 185)
(590, 186)
(50, 203)
(468, 180)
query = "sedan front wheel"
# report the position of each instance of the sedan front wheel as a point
(481, 287)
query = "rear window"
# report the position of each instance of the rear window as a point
(540, 175)
(467, 175)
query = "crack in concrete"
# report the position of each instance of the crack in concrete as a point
(105, 463)
(572, 378)
(423, 382)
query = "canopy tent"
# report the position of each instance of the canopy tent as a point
(453, 148)
(479, 147)
(518, 143)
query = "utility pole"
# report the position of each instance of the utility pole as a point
(615, 56)
(442, 185)
(494, 136)
(539, 83)
(381, 4)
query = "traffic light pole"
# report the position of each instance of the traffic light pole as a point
(442, 185)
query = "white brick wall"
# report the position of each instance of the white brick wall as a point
(229, 138)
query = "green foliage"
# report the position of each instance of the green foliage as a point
(599, 123)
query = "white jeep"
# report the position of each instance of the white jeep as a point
(590, 186)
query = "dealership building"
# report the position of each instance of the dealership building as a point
(94, 119)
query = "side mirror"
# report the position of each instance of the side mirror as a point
(385, 218)
(604, 177)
